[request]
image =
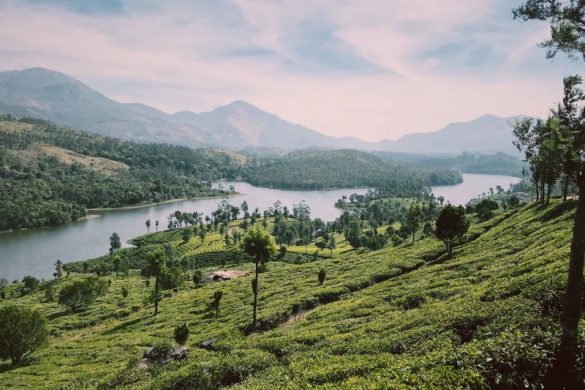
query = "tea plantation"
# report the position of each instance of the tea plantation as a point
(400, 317)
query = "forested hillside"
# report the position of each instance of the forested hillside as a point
(316, 169)
(51, 175)
(489, 164)
(403, 316)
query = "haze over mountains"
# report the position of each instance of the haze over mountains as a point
(46, 94)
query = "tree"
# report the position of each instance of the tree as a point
(186, 235)
(181, 334)
(22, 331)
(354, 234)
(321, 244)
(215, 303)
(513, 201)
(58, 269)
(321, 276)
(570, 115)
(30, 283)
(451, 225)
(155, 266)
(78, 295)
(184, 263)
(260, 245)
(116, 261)
(197, 278)
(244, 207)
(567, 24)
(331, 243)
(147, 223)
(567, 35)
(115, 242)
(413, 219)
(428, 229)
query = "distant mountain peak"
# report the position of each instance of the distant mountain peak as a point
(47, 94)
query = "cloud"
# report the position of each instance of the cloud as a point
(369, 68)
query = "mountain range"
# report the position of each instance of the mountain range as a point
(46, 94)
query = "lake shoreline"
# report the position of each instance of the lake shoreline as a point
(97, 211)
(34, 251)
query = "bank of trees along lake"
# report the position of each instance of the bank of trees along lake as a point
(317, 169)
(51, 175)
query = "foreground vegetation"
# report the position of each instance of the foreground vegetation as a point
(400, 316)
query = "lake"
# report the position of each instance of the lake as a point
(473, 185)
(34, 251)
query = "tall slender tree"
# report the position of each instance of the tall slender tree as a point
(260, 245)
(413, 219)
(155, 266)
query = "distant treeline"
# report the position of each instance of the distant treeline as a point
(39, 188)
(314, 169)
(467, 162)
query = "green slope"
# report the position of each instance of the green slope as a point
(317, 169)
(386, 319)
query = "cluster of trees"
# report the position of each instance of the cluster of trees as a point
(555, 148)
(376, 209)
(542, 143)
(77, 296)
(312, 169)
(44, 190)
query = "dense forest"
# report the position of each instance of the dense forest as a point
(489, 164)
(51, 175)
(317, 169)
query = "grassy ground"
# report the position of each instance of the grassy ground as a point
(392, 318)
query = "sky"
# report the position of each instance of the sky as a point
(373, 69)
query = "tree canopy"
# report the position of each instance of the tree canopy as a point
(22, 331)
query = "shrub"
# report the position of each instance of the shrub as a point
(30, 283)
(321, 276)
(214, 305)
(197, 278)
(80, 294)
(22, 330)
(181, 334)
(171, 278)
(50, 293)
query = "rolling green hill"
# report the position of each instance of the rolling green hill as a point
(399, 317)
(50, 175)
(317, 169)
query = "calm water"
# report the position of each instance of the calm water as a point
(473, 185)
(33, 252)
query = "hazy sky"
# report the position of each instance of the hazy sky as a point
(369, 68)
